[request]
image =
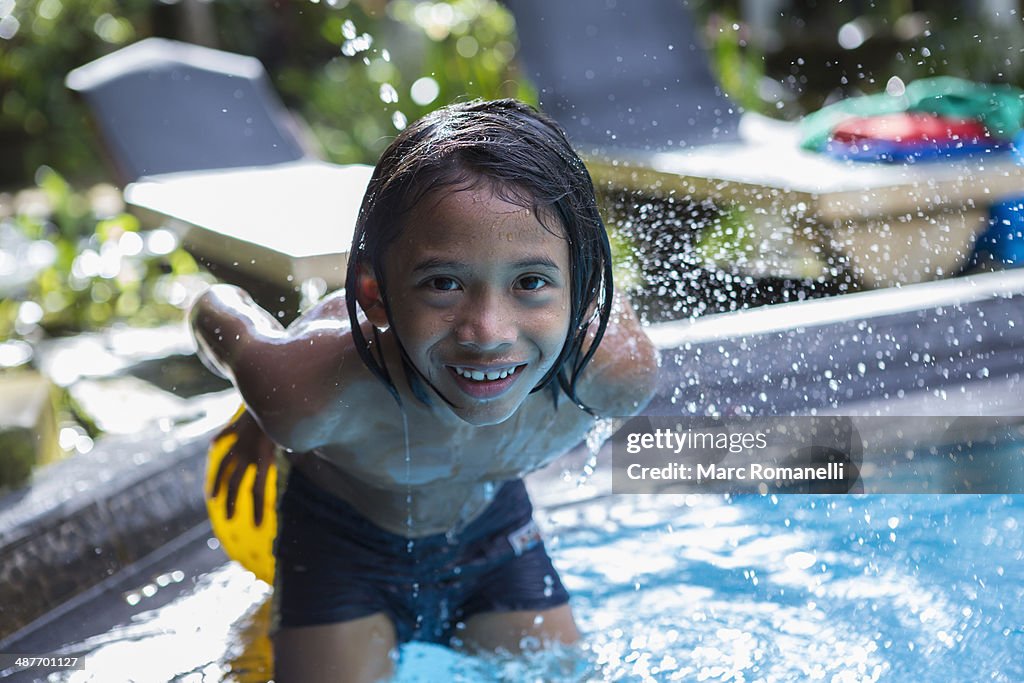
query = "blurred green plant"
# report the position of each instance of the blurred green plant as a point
(40, 41)
(789, 63)
(738, 63)
(356, 71)
(728, 240)
(96, 270)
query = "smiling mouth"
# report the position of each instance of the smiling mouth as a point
(475, 375)
(485, 384)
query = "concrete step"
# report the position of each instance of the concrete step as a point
(28, 431)
(82, 519)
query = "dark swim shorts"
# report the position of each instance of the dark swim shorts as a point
(335, 565)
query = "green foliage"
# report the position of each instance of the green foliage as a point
(17, 458)
(102, 271)
(40, 122)
(347, 68)
(351, 73)
(739, 66)
(799, 49)
(727, 240)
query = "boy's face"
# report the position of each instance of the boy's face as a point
(479, 295)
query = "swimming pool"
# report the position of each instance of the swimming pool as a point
(857, 588)
(673, 587)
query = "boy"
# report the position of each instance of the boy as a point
(483, 270)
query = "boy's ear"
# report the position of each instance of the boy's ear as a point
(369, 298)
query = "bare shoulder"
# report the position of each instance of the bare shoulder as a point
(291, 379)
(622, 375)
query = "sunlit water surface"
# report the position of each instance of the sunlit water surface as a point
(906, 588)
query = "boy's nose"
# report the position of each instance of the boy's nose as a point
(486, 325)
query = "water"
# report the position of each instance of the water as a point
(796, 588)
(852, 588)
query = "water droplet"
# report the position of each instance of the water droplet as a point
(896, 87)
(424, 90)
(388, 94)
(801, 560)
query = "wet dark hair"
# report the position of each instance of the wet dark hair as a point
(526, 159)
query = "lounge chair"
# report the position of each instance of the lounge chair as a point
(162, 106)
(626, 75)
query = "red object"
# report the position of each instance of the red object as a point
(911, 127)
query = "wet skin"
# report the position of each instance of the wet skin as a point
(474, 284)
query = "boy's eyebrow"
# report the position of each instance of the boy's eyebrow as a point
(535, 262)
(447, 264)
(437, 263)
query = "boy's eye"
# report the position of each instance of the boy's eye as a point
(443, 284)
(532, 282)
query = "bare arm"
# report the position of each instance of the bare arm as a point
(623, 374)
(287, 377)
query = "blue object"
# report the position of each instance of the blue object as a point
(887, 151)
(1003, 242)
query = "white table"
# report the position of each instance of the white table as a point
(280, 224)
(896, 223)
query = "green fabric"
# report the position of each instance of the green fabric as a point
(1000, 108)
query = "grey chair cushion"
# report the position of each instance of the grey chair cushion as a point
(163, 106)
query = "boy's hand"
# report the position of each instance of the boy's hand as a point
(252, 447)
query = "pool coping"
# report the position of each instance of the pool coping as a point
(53, 552)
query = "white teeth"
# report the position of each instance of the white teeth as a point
(479, 376)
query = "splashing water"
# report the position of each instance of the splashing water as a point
(388, 94)
(354, 43)
(408, 479)
(600, 432)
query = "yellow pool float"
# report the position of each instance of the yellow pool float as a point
(250, 545)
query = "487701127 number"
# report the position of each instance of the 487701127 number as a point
(39, 661)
